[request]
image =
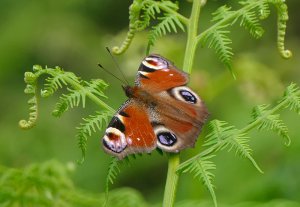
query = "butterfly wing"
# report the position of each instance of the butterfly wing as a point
(129, 131)
(179, 113)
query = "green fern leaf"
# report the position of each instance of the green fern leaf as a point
(218, 131)
(221, 136)
(201, 169)
(263, 9)
(271, 122)
(167, 24)
(57, 80)
(218, 40)
(31, 88)
(113, 171)
(91, 124)
(221, 13)
(250, 21)
(74, 97)
(292, 96)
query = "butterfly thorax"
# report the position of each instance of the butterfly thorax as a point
(138, 94)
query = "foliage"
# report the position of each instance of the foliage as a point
(78, 93)
(49, 184)
(223, 136)
(162, 17)
(167, 18)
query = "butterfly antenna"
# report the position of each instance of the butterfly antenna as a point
(122, 81)
(117, 65)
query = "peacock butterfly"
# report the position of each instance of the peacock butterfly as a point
(161, 112)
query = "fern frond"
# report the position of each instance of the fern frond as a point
(250, 22)
(218, 131)
(74, 97)
(282, 18)
(96, 87)
(218, 40)
(201, 169)
(263, 9)
(292, 97)
(57, 80)
(31, 88)
(113, 171)
(222, 136)
(167, 24)
(271, 122)
(221, 13)
(91, 124)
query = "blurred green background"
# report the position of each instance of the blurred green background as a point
(73, 34)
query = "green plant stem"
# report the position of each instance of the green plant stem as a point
(192, 30)
(174, 159)
(76, 85)
(183, 19)
(227, 20)
(172, 180)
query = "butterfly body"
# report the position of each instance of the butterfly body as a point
(161, 112)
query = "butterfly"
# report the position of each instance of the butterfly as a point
(161, 111)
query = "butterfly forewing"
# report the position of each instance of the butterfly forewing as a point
(129, 131)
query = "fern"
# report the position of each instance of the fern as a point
(48, 184)
(74, 97)
(162, 17)
(223, 136)
(271, 122)
(112, 173)
(291, 98)
(219, 41)
(91, 124)
(78, 91)
(166, 24)
(140, 15)
(31, 89)
(201, 169)
(57, 80)
(250, 21)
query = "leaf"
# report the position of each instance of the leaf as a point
(201, 169)
(292, 97)
(250, 22)
(218, 40)
(222, 136)
(167, 24)
(74, 97)
(91, 124)
(271, 122)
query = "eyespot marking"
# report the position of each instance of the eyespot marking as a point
(114, 140)
(165, 137)
(185, 94)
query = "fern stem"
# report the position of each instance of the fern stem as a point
(246, 129)
(192, 29)
(182, 18)
(227, 20)
(91, 95)
(172, 180)
(174, 159)
(255, 123)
